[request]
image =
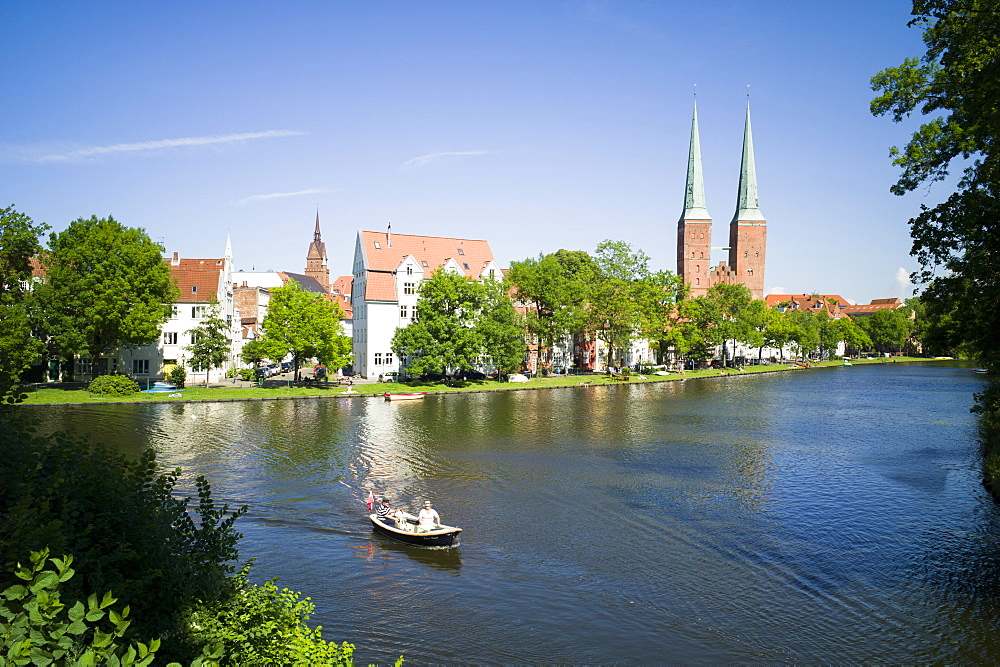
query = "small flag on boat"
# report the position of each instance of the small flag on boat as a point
(371, 500)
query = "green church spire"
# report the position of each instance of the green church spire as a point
(694, 188)
(747, 205)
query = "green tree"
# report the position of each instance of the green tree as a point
(804, 331)
(887, 329)
(18, 347)
(501, 328)
(957, 241)
(252, 353)
(306, 326)
(444, 339)
(699, 319)
(210, 343)
(106, 286)
(128, 528)
(627, 299)
(556, 287)
(732, 304)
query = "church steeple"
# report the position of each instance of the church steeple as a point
(747, 204)
(694, 229)
(694, 187)
(316, 264)
(748, 230)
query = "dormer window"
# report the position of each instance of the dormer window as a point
(465, 266)
(461, 252)
(424, 263)
(194, 289)
(378, 246)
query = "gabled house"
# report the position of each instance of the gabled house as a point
(388, 270)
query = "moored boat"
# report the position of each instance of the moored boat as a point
(404, 396)
(445, 536)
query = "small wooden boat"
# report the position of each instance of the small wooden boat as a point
(404, 396)
(847, 363)
(445, 536)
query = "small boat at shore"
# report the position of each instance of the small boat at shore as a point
(445, 536)
(404, 396)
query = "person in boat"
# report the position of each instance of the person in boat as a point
(384, 510)
(428, 518)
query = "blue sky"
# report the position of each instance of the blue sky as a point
(534, 125)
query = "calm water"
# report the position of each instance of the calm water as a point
(822, 516)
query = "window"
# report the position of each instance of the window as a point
(461, 252)
(749, 272)
(408, 288)
(388, 358)
(402, 311)
(424, 263)
(194, 337)
(465, 266)
(175, 312)
(197, 311)
(414, 313)
(492, 272)
(170, 338)
(378, 358)
(409, 270)
(140, 367)
(194, 289)
(377, 246)
(83, 366)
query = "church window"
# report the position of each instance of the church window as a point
(749, 272)
(757, 254)
(697, 281)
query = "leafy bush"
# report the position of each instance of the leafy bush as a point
(113, 385)
(177, 376)
(121, 520)
(247, 374)
(262, 625)
(33, 629)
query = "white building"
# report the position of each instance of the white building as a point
(388, 270)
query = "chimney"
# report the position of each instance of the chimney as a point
(176, 260)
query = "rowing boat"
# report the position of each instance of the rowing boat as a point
(406, 531)
(404, 396)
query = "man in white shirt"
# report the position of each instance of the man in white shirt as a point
(428, 518)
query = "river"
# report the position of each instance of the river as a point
(830, 515)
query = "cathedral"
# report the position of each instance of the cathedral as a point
(747, 230)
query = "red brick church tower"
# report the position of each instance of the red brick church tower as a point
(694, 229)
(316, 265)
(747, 231)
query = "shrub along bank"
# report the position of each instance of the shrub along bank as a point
(127, 534)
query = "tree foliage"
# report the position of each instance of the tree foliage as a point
(304, 325)
(106, 286)
(447, 337)
(627, 299)
(18, 347)
(128, 529)
(957, 82)
(557, 289)
(37, 627)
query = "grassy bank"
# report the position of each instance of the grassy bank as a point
(44, 395)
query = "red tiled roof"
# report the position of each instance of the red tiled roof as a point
(341, 289)
(380, 286)
(197, 279)
(435, 250)
(811, 302)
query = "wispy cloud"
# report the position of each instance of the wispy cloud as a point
(278, 195)
(161, 144)
(422, 160)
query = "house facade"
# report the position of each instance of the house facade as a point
(388, 269)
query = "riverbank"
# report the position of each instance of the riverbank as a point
(225, 393)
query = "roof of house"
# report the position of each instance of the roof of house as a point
(380, 286)
(198, 279)
(341, 289)
(875, 305)
(384, 251)
(307, 283)
(833, 304)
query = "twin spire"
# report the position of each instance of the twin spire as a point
(747, 205)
